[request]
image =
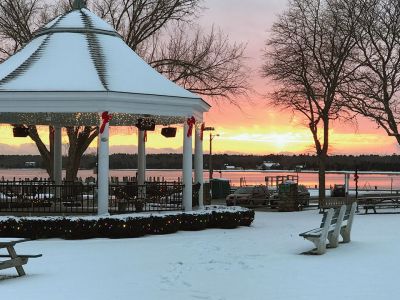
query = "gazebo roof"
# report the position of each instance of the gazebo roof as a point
(78, 63)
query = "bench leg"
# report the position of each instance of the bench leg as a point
(345, 235)
(346, 230)
(320, 245)
(333, 239)
(333, 236)
(13, 255)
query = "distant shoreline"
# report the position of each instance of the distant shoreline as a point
(250, 163)
(243, 171)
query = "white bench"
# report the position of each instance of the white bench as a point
(334, 223)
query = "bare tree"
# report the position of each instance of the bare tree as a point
(215, 68)
(375, 92)
(307, 57)
(17, 22)
(138, 20)
(204, 63)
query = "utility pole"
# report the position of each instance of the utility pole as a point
(210, 158)
(210, 166)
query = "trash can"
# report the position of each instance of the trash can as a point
(339, 190)
(206, 193)
(220, 188)
(288, 196)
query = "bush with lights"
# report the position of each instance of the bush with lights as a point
(246, 217)
(123, 226)
(192, 222)
(225, 220)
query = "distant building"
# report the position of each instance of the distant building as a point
(30, 164)
(229, 167)
(299, 168)
(268, 165)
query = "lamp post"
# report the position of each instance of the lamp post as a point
(212, 136)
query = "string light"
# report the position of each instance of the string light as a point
(86, 119)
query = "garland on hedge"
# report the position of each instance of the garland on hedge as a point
(124, 227)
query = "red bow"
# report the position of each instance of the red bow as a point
(191, 121)
(145, 136)
(203, 125)
(106, 117)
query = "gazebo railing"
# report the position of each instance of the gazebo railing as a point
(152, 196)
(45, 197)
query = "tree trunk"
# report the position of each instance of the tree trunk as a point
(47, 155)
(74, 161)
(72, 167)
(321, 177)
(79, 140)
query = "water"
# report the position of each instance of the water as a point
(366, 181)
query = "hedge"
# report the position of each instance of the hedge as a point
(124, 226)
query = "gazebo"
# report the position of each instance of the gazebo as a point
(77, 70)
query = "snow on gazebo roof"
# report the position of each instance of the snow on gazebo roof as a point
(78, 63)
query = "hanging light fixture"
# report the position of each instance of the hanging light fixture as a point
(168, 132)
(20, 131)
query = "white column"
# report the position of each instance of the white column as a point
(141, 164)
(141, 158)
(187, 169)
(198, 164)
(346, 183)
(103, 171)
(57, 156)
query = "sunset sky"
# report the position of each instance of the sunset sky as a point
(255, 128)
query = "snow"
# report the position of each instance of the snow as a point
(20, 57)
(51, 23)
(64, 65)
(51, 80)
(315, 192)
(5, 197)
(127, 72)
(71, 20)
(258, 262)
(98, 22)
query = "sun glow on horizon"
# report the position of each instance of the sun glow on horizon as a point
(255, 140)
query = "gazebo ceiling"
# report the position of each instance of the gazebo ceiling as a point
(78, 63)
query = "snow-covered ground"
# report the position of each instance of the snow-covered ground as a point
(259, 262)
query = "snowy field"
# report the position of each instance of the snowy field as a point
(259, 262)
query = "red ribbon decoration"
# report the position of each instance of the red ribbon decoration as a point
(145, 136)
(191, 121)
(106, 117)
(203, 125)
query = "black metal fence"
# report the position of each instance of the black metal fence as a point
(45, 197)
(153, 196)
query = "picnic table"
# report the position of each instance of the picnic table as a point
(379, 201)
(14, 260)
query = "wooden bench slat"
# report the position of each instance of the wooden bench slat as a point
(13, 263)
(4, 243)
(24, 255)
